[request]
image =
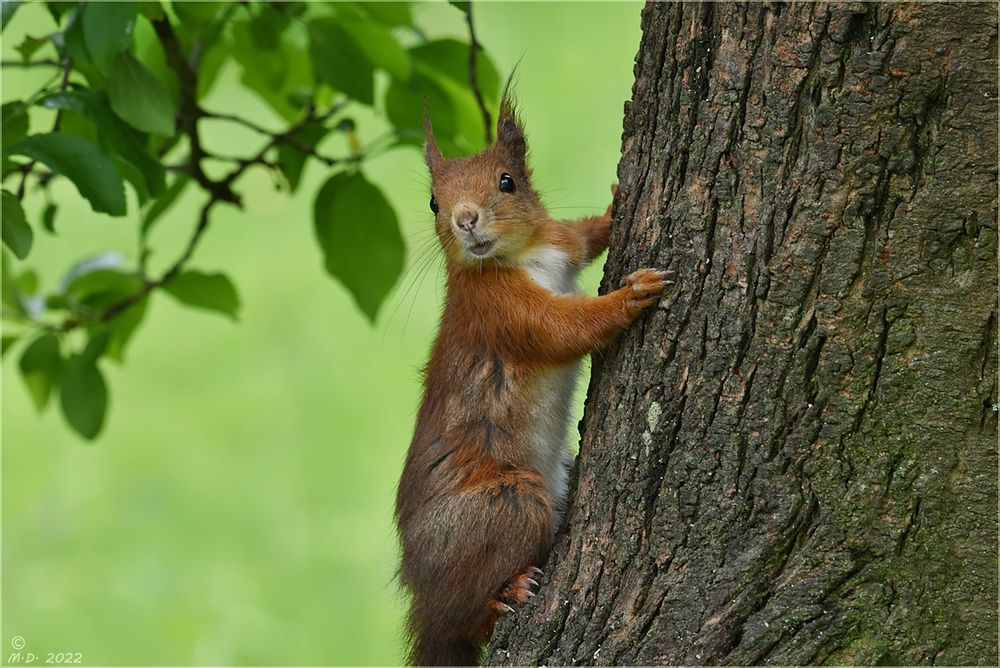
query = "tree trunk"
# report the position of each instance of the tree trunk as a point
(794, 460)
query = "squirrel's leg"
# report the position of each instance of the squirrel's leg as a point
(470, 545)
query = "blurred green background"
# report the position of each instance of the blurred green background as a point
(237, 508)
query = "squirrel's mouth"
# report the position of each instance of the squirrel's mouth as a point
(481, 248)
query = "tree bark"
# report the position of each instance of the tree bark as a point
(794, 459)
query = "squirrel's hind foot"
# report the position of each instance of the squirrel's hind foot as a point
(519, 590)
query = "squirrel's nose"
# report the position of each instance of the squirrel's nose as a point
(466, 219)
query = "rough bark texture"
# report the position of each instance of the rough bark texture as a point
(794, 460)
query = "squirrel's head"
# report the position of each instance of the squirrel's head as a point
(484, 206)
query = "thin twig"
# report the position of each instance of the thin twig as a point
(63, 84)
(287, 137)
(188, 111)
(237, 119)
(45, 62)
(473, 80)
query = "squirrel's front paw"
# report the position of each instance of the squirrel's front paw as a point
(645, 286)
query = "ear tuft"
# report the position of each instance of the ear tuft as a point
(432, 154)
(510, 131)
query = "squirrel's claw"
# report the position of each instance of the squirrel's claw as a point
(519, 588)
(501, 607)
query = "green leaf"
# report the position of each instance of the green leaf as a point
(210, 66)
(83, 396)
(133, 176)
(404, 103)
(139, 98)
(125, 326)
(389, 13)
(266, 27)
(464, 5)
(449, 58)
(75, 123)
(276, 75)
(112, 134)
(107, 29)
(75, 44)
(151, 10)
(99, 336)
(213, 292)
(446, 63)
(97, 282)
(339, 61)
(8, 167)
(17, 235)
(292, 160)
(49, 218)
(100, 288)
(103, 287)
(15, 121)
(196, 14)
(10, 294)
(110, 260)
(6, 341)
(379, 45)
(57, 9)
(443, 80)
(150, 52)
(39, 366)
(359, 235)
(29, 45)
(18, 292)
(92, 172)
(7, 11)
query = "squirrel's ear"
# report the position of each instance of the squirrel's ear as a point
(432, 154)
(510, 132)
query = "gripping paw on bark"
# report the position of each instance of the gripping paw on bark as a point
(646, 286)
(518, 590)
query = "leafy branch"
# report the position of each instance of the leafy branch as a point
(130, 116)
(219, 190)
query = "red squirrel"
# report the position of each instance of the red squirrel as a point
(485, 481)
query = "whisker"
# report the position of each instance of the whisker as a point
(417, 271)
(422, 251)
(413, 301)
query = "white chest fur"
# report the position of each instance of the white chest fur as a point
(552, 269)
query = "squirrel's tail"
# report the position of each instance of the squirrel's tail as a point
(447, 635)
(444, 652)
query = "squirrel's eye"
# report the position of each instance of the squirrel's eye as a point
(506, 183)
(434, 204)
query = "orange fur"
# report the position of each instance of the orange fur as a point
(475, 514)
